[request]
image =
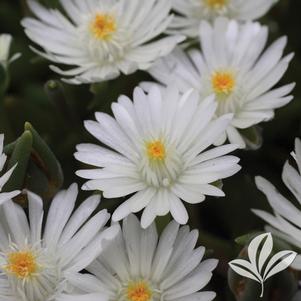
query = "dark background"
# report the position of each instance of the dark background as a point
(59, 121)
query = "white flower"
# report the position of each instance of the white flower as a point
(139, 266)
(101, 38)
(192, 12)
(286, 220)
(158, 147)
(4, 196)
(233, 67)
(35, 263)
(5, 42)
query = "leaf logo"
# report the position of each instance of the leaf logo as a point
(254, 268)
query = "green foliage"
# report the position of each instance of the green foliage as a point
(252, 137)
(37, 167)
(20, 152)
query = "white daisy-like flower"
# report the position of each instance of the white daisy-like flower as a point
(101, 38)
(5, 42)
(4, 196)
(158, 153)
(233, 66)
(192, 12)
(285, 222)
(139, 266)
(34, 263)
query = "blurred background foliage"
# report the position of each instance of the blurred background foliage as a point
(57, 112)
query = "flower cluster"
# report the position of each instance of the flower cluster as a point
(161, 149)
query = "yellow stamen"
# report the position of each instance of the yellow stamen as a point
(21, 264)
(156, 150)
(216, 4)
(103, 26)
(139, 291)
(223, 82)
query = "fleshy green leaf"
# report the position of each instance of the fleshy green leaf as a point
(252, 136)
(245, 239)
(20, 156)
(46, 160)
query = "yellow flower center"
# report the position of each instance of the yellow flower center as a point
(139, 291)
(223, 82)
(21, 264)
(216, 4)
(156, 150)
(103, 26)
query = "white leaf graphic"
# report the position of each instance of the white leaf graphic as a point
(237, 265)
(257, 259)
(286, 258)
(254, 245)
(266, 251)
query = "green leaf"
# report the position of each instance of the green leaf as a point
(56, 95)
(278, 243)
(9, 148)
(99, 88)
(46, 160)
(38, 182)
(252, 136)
(245, 239)
(20, 156)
